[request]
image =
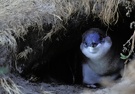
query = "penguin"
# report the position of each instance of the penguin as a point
(100, 58)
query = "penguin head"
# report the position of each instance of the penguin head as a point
(95, 43)
(93, 37)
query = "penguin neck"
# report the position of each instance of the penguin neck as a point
(103, 58)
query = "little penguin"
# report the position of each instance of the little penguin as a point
(100, 58)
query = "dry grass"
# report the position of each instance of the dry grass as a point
(9, 86)
(17, 15)
(110, 12)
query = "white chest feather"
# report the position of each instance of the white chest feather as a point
(99, 56)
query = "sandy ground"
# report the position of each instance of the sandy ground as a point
(123, 87)
(46, 88)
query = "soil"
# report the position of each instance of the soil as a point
(47, 88)
(125, 86)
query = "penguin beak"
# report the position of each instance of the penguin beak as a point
(94, 44)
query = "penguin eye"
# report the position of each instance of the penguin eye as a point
(85, 44)
(103, 40)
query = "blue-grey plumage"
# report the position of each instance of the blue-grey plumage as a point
(100, 58)
(92, 39)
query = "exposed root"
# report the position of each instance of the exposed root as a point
(24, 53)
